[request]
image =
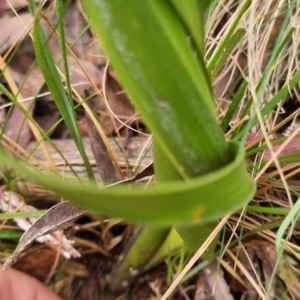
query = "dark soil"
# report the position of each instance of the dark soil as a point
(93, 285)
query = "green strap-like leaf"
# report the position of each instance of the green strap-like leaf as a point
(199, 200)
(191, 12)
(169, 85)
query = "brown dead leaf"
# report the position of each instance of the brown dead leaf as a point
(46, 115)
(75, 26)
(58, 217)
(17, 127)
(260, 259)
(118, 103)
(14, 29)
(292, 147)
(214, 287)
(79, 78)
(284, 270)
(203, 290)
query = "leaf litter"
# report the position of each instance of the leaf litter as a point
(116, 113)
(57, 218)
(35, 101)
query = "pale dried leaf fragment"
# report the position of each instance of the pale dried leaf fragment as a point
(13, 30)
(269, 255)
(56, 218)
(215, 281)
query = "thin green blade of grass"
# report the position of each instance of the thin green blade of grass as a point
(232, 43)
(279, 47)
(289, 158)
(281, 42)
(238, 97)
(10, 235)
(290, 219)
(258, 147)
(269, 107)
(53, 81)
(21, 215)
(45, 135)
(219, 51)
(268, 210)
(62, 42)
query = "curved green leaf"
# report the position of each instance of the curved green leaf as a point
(202, 199)
(152, 54)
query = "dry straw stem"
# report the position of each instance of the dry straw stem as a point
(254, 65)
(257, 48)
(262, 22)
(227, 266)
(258, 287)
(268, 17)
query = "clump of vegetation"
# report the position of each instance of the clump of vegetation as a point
(209, 79)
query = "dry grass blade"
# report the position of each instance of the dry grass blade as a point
(258, 289)
(194, 259)
(215, 278)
